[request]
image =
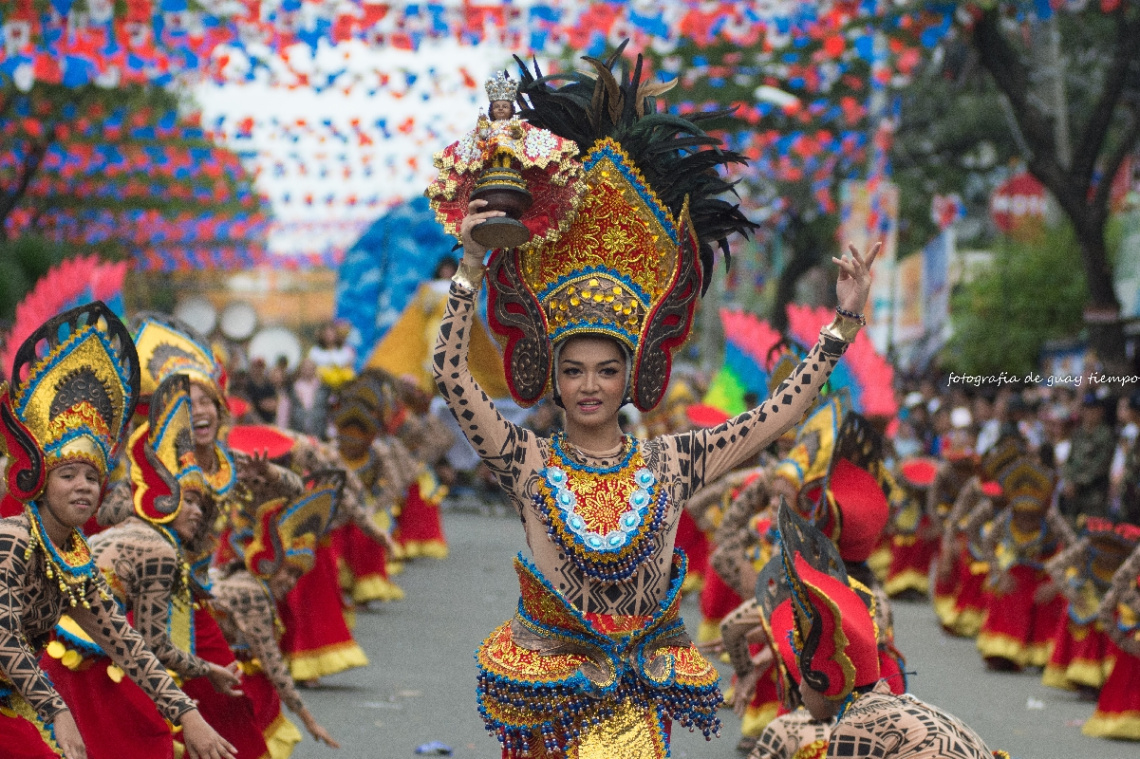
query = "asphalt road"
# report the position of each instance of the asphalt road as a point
(420, 686)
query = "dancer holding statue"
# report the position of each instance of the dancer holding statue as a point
(597, 653)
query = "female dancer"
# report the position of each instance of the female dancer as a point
(597, 653)
(62, 420)
(143, 559)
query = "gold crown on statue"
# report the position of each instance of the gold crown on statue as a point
(501, 87)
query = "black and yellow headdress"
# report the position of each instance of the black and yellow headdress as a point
(1027, 485)
(161, 452)
(638, 252)
(74, 385)
(289, 530)
(168, 346)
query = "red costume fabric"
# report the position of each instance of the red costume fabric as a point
(117, 720)
(317, 641)
(1016, 628)
(419, 528)
(1082, 655)
(1117, 712)
(231, 716)
(363, 566)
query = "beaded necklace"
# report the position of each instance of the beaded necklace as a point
(223, 478)
(73, 569)
(606, 519)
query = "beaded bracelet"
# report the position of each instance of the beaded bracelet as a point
(851, 315)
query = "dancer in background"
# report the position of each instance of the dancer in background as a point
(145, 564)
(62, 422)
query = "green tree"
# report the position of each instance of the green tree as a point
(22, 262)
(1005, 314)
(1070, 84)
(121, 173)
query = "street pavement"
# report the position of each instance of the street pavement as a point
(420, 686)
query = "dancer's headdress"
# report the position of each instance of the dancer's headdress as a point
(639, 251)
(853, 508)
(1107, 537)
(74, 384)
(288, 530)
(161, 452)
(1027, 485)
(834, 635)
(167, 346)
(810, 458)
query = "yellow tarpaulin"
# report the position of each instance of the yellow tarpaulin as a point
(407, 348)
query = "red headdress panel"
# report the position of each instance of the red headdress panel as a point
(834, 629)
(156, 450)
(856, 509)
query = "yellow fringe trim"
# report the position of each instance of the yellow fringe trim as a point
(281, 736)
(1006, 647)
(1089, 672)
(1124, 726)
(908, 579)
(709, 630)
(330, 660)
(757, 718)
(880, 562)
(375, 588)
(1054, 677)
(425, 549)
(945, 611)
(966, 624)
(349, 615)
(693, 583)
(394, 568)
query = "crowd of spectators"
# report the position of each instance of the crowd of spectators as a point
(1089, 437)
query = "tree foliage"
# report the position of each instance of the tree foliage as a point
(1029, 294)
(123, 173)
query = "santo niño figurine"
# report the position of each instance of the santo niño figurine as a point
(528, 173)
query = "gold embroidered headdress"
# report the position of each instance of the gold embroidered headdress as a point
(638, 252)
(161, 452)
(289, 530)
(167, 346)
(74, 384)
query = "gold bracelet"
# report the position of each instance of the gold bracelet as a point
(842, 328)
(468, 276)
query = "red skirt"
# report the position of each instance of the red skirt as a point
(910, 562)
(280, 734)
(116, 719)
(959, 601)
(419, 528)
(363, 566)
(1082, 655)
(317, 641)
(695, 544)
(1016, 628)
(232, 717)
(891, 669)
(717, 602)
(764, 705)
(22, 738)
(1117, 712)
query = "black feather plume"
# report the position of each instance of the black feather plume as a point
(677, 158)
